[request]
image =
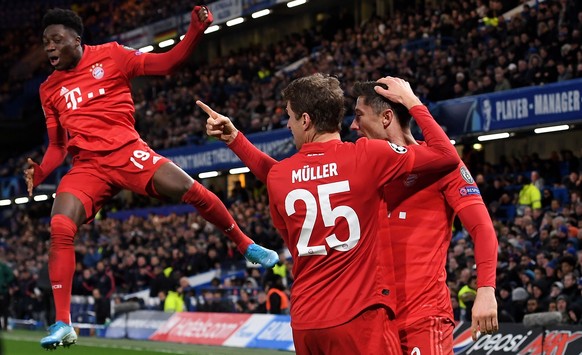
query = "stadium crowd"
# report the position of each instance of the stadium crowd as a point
(462, 49)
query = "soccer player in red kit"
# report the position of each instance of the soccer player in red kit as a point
(421, 208)
(89, 114)
(324, 200)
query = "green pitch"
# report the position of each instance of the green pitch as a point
(22, 342)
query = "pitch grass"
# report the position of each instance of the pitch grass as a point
(22, 342)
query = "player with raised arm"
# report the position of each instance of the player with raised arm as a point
(89, 114)
(421, 208)
(422, 290)
(320, 201)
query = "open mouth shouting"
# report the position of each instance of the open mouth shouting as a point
(54, 60)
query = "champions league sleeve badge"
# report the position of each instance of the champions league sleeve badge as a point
(398, 148)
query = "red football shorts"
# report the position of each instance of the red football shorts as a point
(96, 177)
(369, 333)
(428, 336)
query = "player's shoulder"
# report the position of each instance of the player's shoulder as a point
(120, 48)
(48, 83)
(284, 165)
(105, 48)
(380, 146)
(101, 48)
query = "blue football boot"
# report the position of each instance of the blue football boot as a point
(60, 334)
(259, 255)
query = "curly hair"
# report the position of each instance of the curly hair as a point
(67, 18)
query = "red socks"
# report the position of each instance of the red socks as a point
(62, 264)
(211, 208)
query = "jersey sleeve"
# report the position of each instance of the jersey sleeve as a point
(277, 219)
(476, 220)
(130, 61)
(463, 195)
(258, 162)
(57, 148)
(460, 189)
(50, 114)
(166, 63)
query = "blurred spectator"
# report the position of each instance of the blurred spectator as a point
(102, 307)
(212, 302)
(537, 180)
(466, 297)
(574, 314)
(261, 302)
(174, 301)
(244, 304)
(6, 280)
(529, 196)
(532, 306)
(277, 298)
(562, 304)
(519, 296)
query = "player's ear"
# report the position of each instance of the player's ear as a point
(306, 120)
(387, 118)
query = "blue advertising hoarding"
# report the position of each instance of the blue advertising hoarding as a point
(217, 156)
(545, 105)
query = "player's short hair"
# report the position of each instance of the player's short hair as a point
(67, 18)
(320, 96)
(378, 103)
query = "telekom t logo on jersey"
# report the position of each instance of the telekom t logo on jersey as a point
(75, 97)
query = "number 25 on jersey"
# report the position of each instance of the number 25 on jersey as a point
(329, 215)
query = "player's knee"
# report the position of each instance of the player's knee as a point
(63, 229)
(195, 194)
(71, 206)
(186, 187)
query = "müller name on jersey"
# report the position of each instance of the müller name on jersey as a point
(308, 173)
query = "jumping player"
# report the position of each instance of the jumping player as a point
(89, 114)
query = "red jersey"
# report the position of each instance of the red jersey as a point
(93, 100)
(421, 208)
(324, 201)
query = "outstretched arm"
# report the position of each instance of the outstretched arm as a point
(221, 127)
(165, 63)
(484, 313)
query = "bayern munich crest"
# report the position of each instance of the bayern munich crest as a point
(97, 70)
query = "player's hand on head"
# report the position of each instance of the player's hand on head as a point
(203, 15)
(217, 125)
(398, 91)
(29, 175)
